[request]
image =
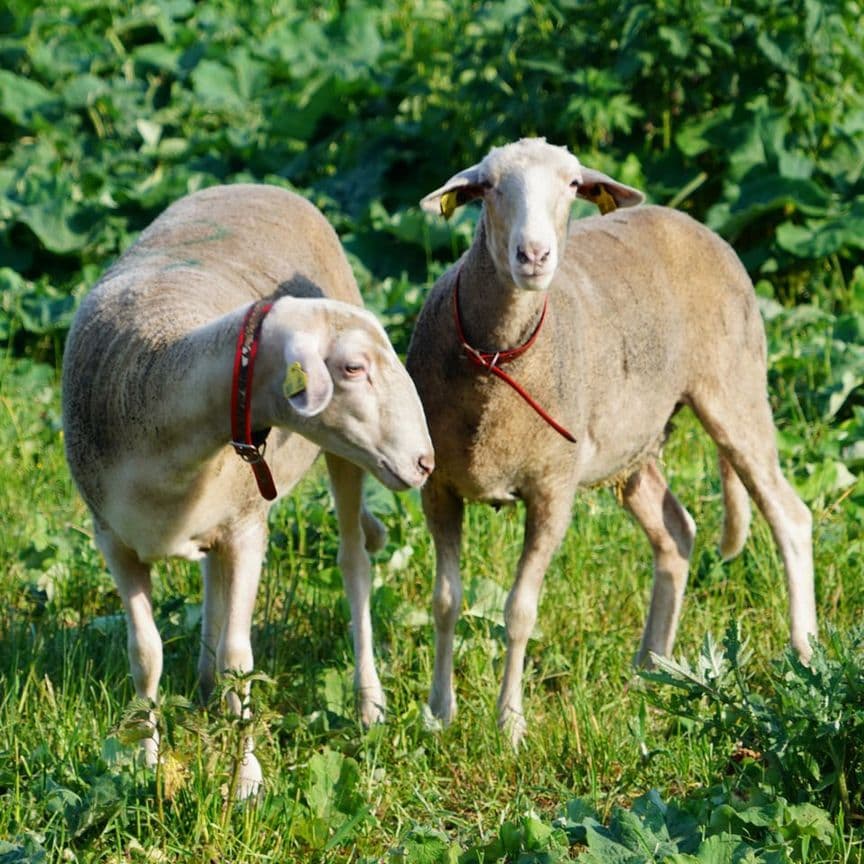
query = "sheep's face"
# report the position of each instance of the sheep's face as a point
(375, 418)
(345, 389)
(528, 189)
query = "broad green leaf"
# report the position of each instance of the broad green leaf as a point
(808, 820)
(21, 98)
(717, 849)
(331, 785)
(216, 84)
(695, 136)
(485, 599)
(603, 848)
(337, 692)
(844, 385)
(56, 222)
(677, 39)
(827, 477)
(158, 55)
(821, 239)
(83, 90)
(424, 846)
(537, 834)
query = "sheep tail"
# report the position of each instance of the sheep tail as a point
(736, 503)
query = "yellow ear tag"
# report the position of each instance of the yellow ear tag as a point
(604, 201)
(295, 380)
(448, 204)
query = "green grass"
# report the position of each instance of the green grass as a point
(333, 791)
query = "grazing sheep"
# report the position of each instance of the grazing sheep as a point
(644, 311)
(158, 381)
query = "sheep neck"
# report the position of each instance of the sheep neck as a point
(492, 361)
(496, 314)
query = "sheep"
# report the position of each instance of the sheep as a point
(607, 327)
(157, 365)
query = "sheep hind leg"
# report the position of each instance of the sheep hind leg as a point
(212, 622)
(443, 511)
(374, 532)
(144, 645)
(745, 434)
(346, 481)
(736, 511)
(670, 530)
(547, 518)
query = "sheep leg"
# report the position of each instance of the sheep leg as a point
(745, 435)
(374, 532)
(670, 531)
(736, 511)
(443, 511)
(546, 521)
(232, 571)
(144, 645)
(346, 481)
(212, 622)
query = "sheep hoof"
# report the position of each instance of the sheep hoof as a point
(372, 709)
(443, 706)
(513, 726)
(644, 659)
(251, 781)
(150, 750)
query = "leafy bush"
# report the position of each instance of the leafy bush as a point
(803, 739)
(750, 115)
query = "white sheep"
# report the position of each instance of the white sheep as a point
(552, 356)
(156, 384)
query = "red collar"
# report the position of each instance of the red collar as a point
(491, 361)
(249, 445)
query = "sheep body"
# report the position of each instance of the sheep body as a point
(647, 311)
(147, 377)
(633, 336)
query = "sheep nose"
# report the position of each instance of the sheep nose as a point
(426, 464)
(532, 253)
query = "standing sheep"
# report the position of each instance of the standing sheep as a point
(644, 311)
(158, 382)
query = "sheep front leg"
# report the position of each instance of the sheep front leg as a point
(671, 531)
(346, 481)
(233, 571)
(143, 642)
(546, 522)
(443, 511)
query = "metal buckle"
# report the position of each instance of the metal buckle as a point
(248, 452)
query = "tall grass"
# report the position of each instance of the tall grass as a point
(70, 786)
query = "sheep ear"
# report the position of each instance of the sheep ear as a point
(606, 193)
(307, 386)
(458, 190)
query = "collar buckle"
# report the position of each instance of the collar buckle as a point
(249, 453)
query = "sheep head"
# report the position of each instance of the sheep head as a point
(528, 189)
(334, 376)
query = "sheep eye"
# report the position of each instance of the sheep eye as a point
(575, 184)
(354, 369)
(485, 185)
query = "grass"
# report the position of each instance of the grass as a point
(71, 790)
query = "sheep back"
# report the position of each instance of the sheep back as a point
(207, 254)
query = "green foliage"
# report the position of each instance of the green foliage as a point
(750, 115)
(803, 739)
